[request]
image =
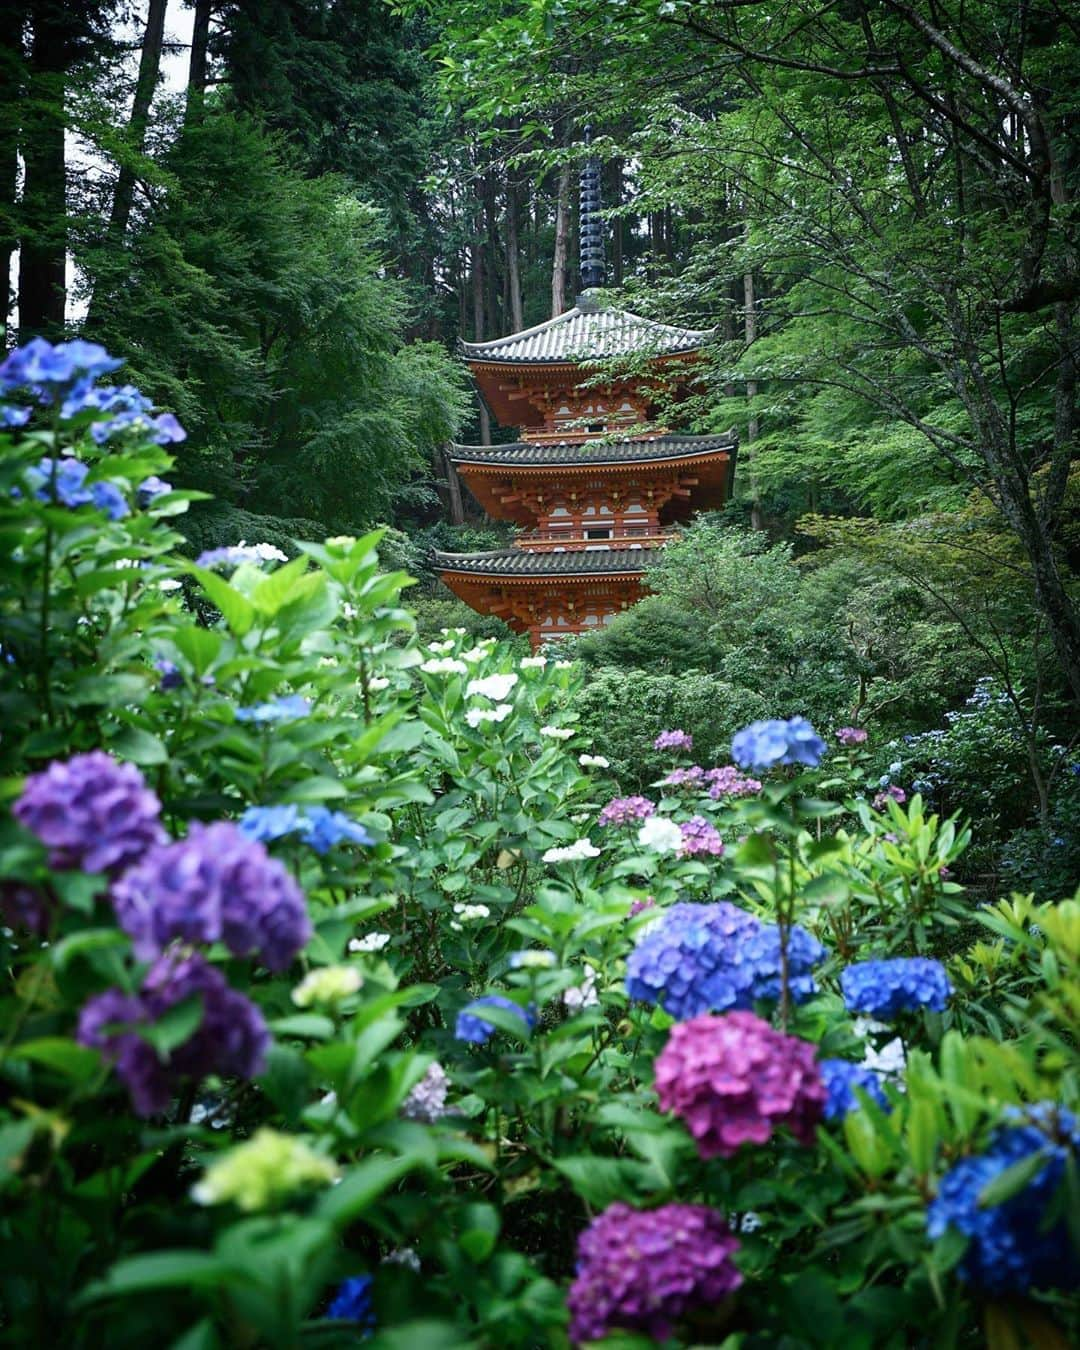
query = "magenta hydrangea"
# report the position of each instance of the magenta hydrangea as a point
(646, 1270)
(626, 810)
(214, 886)
(231, 1038)
(91, 812)
(735, 1080)
(729, 781)
(698, 837)
(674, 740)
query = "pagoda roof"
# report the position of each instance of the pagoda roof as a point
(588, 332)
(643, 450)
(519, 563)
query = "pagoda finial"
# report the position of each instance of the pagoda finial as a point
(591, 227)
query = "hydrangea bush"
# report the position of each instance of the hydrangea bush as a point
(349, 995)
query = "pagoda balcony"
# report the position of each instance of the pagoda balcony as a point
(626, 536)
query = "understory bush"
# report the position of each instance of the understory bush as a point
(347, 998)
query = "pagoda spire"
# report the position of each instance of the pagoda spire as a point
(591, 227)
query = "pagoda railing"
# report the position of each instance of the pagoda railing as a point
(544, 541)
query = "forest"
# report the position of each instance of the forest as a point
(707, 978)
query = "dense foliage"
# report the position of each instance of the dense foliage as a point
(346, 996)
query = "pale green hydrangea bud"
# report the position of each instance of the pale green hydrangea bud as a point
(327, 986)
(264, 1171)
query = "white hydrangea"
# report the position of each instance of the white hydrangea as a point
(403, 1256)
(533, 662)
(169, 584)
(891, 1059)
(453, 632)
(582, 995)
(478, 653)
(578, 851)
(349, 611)
(593, 762)
(377, 683)
(563, 665)
(494, 687)
(441, 648)
(444, 665)
(327, 986)
(660, 835)
(557, 733)
(475, 716)
(263, 552)
(370, 942)
(468, 914)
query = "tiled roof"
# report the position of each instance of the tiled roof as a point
(587, 333)
(592, 452)
(516, 562)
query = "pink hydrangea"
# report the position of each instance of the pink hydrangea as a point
(626, 811)
(645, 1270)
(729, 781)
(734, 1080)
(674, 740)
(693, 776)
(893, 793)
(698, 836)
(851, 736)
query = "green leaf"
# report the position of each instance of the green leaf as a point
(69, 1058)
(237, 611)
(361, 1187)
(176, 1025)
(305, 1026)
(200, 646)
(139, 746)
(162, 1270)
(828, 890)
(1013, 1180)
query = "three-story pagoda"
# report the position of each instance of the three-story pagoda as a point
(594, 506)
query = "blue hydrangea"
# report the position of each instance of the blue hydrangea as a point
(841, 1077)
(1012, 1247)
(715, 958)
(352, 1303)
(473, 1026)
(288, 708)
(171, 675)
(65, 481)
(107, 497)
(763, 744)
(317, 825)
(47, 369)
(150, 489)
(12, 416)
(902, 984)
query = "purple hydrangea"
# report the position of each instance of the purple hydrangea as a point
(352, 1303)
(734, 1080)
(892, 793)
(674, 740)
(645, 1270)
(91, 812)
(715, 957)
(287, 708)
(231, 1038)
(850, 736)
(640, 906)
(171, 674)
(213, 886)
(763, 744)
(473, 1026)
(841, 1077)
(426, 1100)
(902, 984)
(700, 836)
(24, 907)
(626, 810)
(691, 777)
(728, 781)
(1024, 1241)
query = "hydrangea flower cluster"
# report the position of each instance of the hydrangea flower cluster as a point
(352, 1303)
(691, 777)
(661, 835)
(850, 736)
(473, 1026)
(674, 740)
(213, 886)
(317, 826)
(902, 984)
(841, 1077)
(728, 781)
(714, 957)
(286, 708)
(700, 836)
(764, 744)
(626, 810)
(426, 1100)
(891, 793)
(91, 812)
(231, 1038)
(734, 1080)
(263, 1171)
(1012, 1245)
(64, 481)
(232, 555)
(644, 1270)
(578, 851)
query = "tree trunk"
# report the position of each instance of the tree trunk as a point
(562, 244)
(477, 252)
(124, 195)
(11, 77)
(750, 333)
(454, 504)
(43, 232)
(513, 259)
(617, 223)
(200, 42)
